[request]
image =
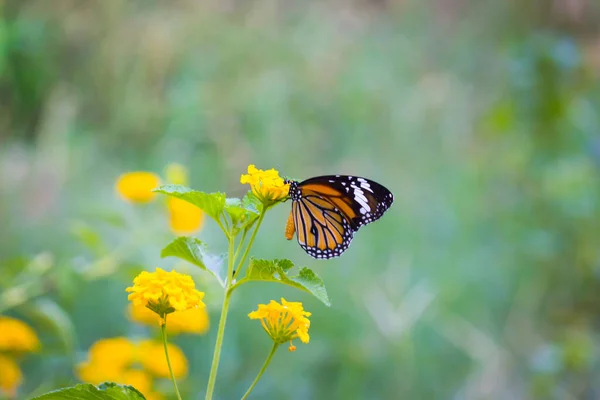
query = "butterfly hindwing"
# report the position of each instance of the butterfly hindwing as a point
(322, 231)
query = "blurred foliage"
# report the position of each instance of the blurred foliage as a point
(481, 117)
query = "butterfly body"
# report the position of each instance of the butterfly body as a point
(327, 210)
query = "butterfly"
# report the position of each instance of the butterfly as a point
(327, 210)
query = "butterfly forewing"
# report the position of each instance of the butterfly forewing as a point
(360, 199)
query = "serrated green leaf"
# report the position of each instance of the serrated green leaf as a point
(310, 281)
(194, 251)
(86, 391)
(251, 202)
(234, 208)
(277, 271)
(241, 215)
(212, 204)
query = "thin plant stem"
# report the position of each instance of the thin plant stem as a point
(221, 330)
(163, 329)
(240, 245)
(231, 256)
(262, 370)
(250, 242)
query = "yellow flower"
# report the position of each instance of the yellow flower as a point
(114, 360)
(10, 375)
(136, 187)
(153, 396)
(119, 352)
(152, 357)
(98, 373)
(141, 380)
(108, 359)
(165, 292)
(267, 186)
(283, 322)
(194, 320)
(184, 218)
(17, 336)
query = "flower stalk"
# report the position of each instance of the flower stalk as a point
(262, 370)
(212, 378)
(229, 284)
(250, 242)
(163, 330)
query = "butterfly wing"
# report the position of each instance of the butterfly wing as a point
(361, 200)
(322, 231)
(327, 210)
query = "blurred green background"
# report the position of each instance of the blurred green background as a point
(483, 279)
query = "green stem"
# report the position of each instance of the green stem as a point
(163, 329)
(240, 245)
(221, 330)
(262, 370)
(243, 260)
(225, 231)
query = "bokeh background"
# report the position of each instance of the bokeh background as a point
(483, 279)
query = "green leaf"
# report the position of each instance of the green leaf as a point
(212, 204)
(194, 251)
(311, 282)
(277, 271)
(85, 391)
(252, 203)
(242, 215)
(234, 208)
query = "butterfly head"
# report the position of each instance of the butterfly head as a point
(294, 193)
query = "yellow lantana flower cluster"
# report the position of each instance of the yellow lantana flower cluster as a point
(267, 185)
(136, 187)
(194, 320)
(284, 322)
(137, 364)
(184, 217)
(16, 338)
(165, 292)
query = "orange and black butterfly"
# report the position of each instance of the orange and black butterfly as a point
(327, 210)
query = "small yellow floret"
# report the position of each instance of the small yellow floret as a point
(10, 375)
(16, 335)
(267, 186)
(283, 322)
(165, 292)
(194, 320)
(137, 186)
